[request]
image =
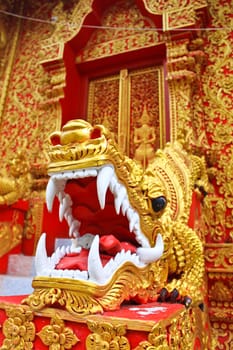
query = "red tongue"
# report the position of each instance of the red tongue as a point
(109, 246)
(78, 261)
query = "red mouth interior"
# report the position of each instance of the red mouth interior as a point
(113, 229)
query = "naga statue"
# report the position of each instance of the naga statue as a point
(128, 227)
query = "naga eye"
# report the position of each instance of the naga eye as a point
(158, 203)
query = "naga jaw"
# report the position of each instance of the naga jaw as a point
(109, 196)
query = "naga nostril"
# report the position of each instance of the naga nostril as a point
(159, 203)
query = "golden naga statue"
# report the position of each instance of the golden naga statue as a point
(128, 227)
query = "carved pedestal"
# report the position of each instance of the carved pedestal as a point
(136, 327)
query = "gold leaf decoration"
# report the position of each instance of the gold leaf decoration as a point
(18, 329)
(57, 336)
(106, 336)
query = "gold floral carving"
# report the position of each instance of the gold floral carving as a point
(106, 336)
(18, 329)
(219, 256)
(57, 335)
(157, 339)
(181, 333)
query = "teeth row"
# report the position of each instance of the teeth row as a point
(106, 179)
(45, 266)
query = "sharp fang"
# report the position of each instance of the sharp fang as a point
(103, 181)
(133, 221)
(64, 206)
(41, 258)
(124, 207)
(148, 255)
(121, 195)
(73, 230)
(95, 268)
(51, 191)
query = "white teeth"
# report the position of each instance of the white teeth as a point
(120, 196)
(69, 217)
(95, 268)
(73, 230)
(41, 259)
(124, 206)
(148, 255)
(103, 181)
(65, 205)
(130, 214)
(106, 179)
(51, 192)
(133, 221)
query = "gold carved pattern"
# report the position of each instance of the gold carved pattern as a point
(34, 219)
(183, 331)
(66, 25)
(182, 114)
(11, 235)
(118, 46)
(8, 41)
(106, 336)
(179, 18)
(218, 118)
(223, 335)
(219, 256)
(23, 121)
(107, 42)
(185, 65)
(130, 105)
(18, 329)
(146, 110)
(221, 289)
(163, 5)
(103, 106)
(157, 339)
(57, 335)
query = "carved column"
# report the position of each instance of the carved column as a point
(182, 75)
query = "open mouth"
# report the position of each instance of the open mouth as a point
(104, 228)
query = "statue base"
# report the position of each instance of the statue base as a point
(157, 326)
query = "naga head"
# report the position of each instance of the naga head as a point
(119, 220)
